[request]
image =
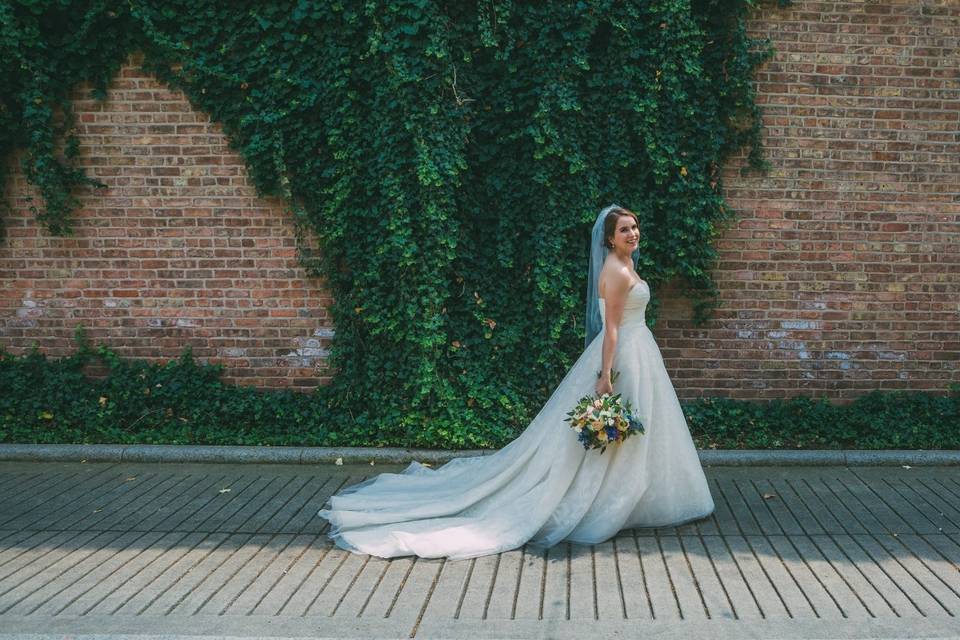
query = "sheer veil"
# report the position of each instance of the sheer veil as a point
(598, 254)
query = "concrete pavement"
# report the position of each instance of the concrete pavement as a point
(123, 549)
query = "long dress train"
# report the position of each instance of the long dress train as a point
(543, 487)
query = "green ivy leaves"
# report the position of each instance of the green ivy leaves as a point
(435, 150)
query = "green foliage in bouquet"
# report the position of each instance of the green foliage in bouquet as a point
(449, 158)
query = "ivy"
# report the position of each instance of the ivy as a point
(448, 157)
(184, 402)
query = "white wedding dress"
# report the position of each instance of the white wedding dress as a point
(543, 487)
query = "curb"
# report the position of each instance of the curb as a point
(388, 455)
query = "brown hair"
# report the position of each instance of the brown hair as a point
(610, 224)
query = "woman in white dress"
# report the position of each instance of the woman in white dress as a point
(544, 487)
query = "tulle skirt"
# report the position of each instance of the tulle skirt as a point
(543, 487)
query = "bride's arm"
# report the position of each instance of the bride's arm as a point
(613, 304)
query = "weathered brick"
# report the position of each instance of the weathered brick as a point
(146, 271)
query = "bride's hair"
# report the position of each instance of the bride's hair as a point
(610, 224)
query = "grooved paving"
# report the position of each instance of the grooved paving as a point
(237, 550)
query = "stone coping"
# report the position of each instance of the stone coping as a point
(392, 455)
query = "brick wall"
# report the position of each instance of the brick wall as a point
(841, 273)
(178, 250)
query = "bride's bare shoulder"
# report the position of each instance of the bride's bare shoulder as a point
(615, 276)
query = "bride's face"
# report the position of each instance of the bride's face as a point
(627, 235)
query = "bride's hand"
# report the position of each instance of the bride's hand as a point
(603, 386)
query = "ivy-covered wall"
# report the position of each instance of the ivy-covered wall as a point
(178, 250)
(442, 168)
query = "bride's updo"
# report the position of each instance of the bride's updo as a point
(610, 224)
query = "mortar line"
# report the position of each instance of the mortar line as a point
(950, 488)
(919, 495)
(733, 557)
(643, 574)
(493, 581)
(516, 587)
(910, 573)
(177, 580)
(593, 573)
(786, 536)
(277, 509)
(666, 568)
(386, 566)
(885, 503)
(716, 572)
(543, 584)
(776, 551)
(854, 540)
(945, 501)
(353, 581)
(19, 480)
(186, 516)
(165, 569)
(949, 491)
(129, 529)
(226, 580)
(423, 608)
(250, 500)
(809, 536)
(131, 495)
(325, 525)
(864, 505)
(76, 501)
(923, 564)
(753, 551)
(746, 505)
(76, 534)
(325, 584)
(11, 479)
(168, 500)
(266, 521)
(463, 588)
(403, 583)
(137, 491)
(68, 568)
(931, 571)
(196, 529)
(284, 572)
(877, 562)
(693, 574)
(848, 533)
(616, 568)
(229, 502)
(82, 576)
(30, 539)
(52, 481)
(138, 571)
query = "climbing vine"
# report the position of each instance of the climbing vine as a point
(448, 157)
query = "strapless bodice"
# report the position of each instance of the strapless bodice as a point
(634, 309)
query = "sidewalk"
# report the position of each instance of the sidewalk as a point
(113, 549)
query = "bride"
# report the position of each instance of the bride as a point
(544, 487)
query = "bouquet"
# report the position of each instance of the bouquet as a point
(604, 420)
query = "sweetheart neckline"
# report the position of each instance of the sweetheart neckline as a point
(632, 287)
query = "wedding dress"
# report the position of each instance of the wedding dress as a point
(543, 487)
